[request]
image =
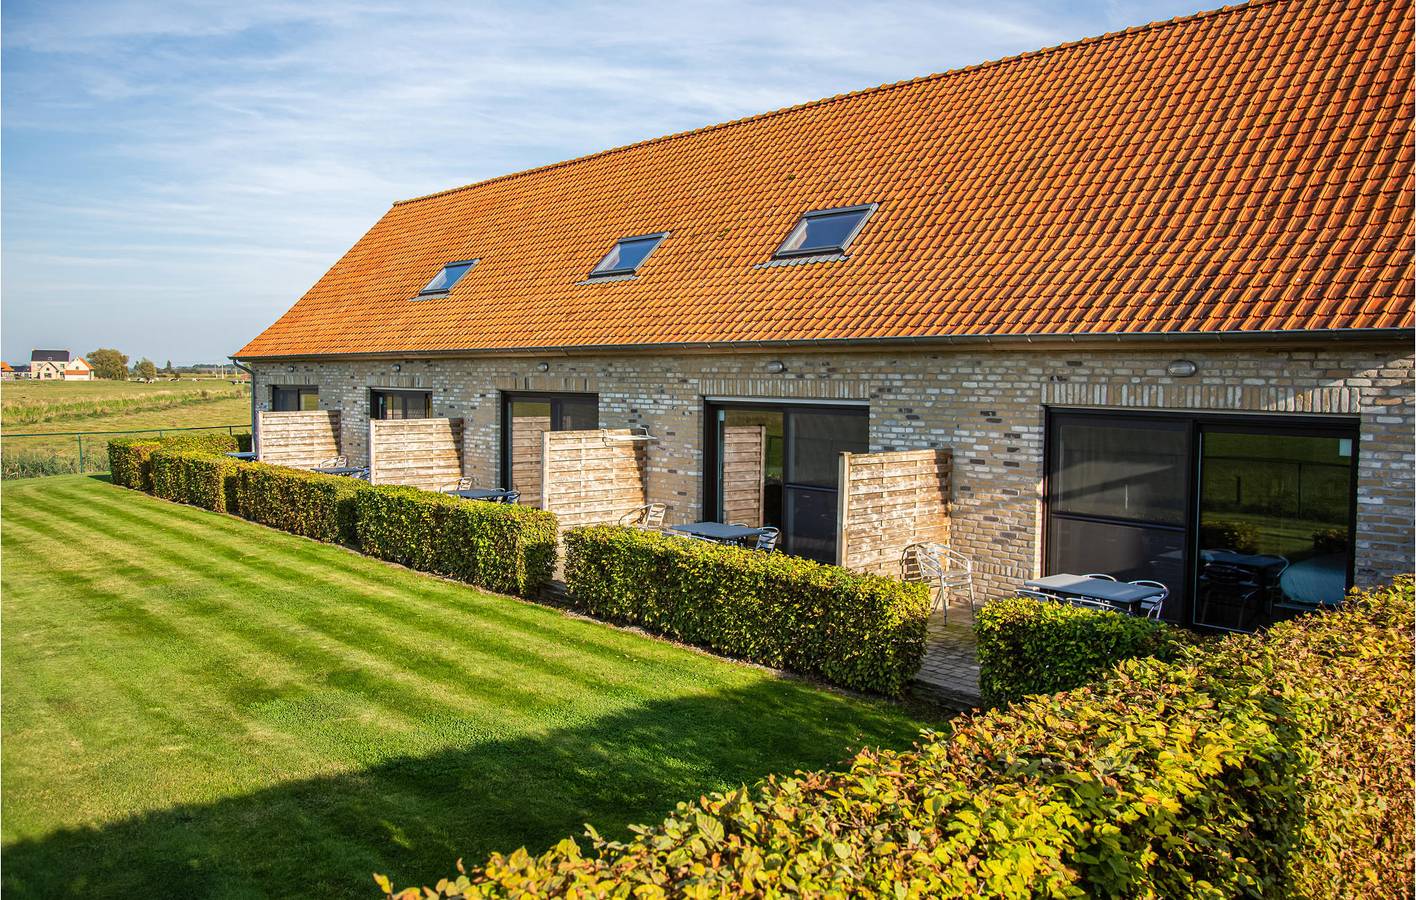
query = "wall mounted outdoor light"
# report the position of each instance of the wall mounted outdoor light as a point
(1181, 368)
(776, 367)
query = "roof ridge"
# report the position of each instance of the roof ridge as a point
(881, 88)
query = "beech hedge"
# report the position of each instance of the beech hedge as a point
(1028, 646)
(864, 632)
(197, 477)
(502, 547)
(1277, 765)
(300, 502)
(128, 457)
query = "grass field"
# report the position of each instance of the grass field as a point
(29, 407)
(196, 706)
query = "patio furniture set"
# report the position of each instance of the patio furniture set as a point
(651, 517)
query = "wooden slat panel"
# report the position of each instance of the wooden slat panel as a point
(299, 439)
(425, 453)
(891, 500)
(592, 477)
(744, 473)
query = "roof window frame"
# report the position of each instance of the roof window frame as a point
(868, 209)
(598, 274)
(425, 293)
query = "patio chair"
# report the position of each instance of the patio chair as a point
(510, 497)
(1092, 603)
(649, 516)
(1230, 589)
(1102, 575)
(948, 569)
(337, 462)
(1031, 594)
(767, 539)
(465, 483)
(1151, 608)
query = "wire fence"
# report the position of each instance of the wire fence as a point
(71, 452)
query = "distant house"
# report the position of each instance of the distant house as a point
(22, 370)
(58, 365)
(7, 371)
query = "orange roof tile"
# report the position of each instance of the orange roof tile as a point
(1247, 169)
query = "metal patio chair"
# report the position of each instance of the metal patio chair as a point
(465, 483)
(649, 517)
(1152, 608)
(336, 462)
(945, 568)
(767, 539)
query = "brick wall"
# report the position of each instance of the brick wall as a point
(986, 405)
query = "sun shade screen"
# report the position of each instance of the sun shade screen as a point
(444, 280)
(829, 231)
(627, 256)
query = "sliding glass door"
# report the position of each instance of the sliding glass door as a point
(525, 419)
(1245, 519)
(779, 465)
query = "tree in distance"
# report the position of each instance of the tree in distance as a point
(109, 363)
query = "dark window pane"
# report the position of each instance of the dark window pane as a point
(811, 524)
(1125, 552)
(401, 404)
(579, 415)
(309, 400)
(818, 440)
(627, 255)
(822, 233)
(1121, 470)
(1275, 520)
(444, 280)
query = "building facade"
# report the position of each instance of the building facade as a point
(1166, 336)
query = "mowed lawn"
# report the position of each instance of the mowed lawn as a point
(196, 706)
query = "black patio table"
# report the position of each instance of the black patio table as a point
(342, 470)
(496, 495)
(1117, 593)
(717, 531)
(242, 454)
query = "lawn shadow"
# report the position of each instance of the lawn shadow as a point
(412, 818)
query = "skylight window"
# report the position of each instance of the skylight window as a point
(444, 280)
(626, 256)
(825, 231)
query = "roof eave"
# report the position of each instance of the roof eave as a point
(1296, 336)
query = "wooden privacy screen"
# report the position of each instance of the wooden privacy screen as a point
(527, 465)
(591, 477)
(744, 472)
(298, 439)
(888, 501)
(425, 453)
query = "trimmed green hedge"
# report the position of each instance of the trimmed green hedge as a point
(198, 477)
(300, 502)
(1028, 646)
(128, 457)
(498, 546)
(859, 631)
(128, 462)
(1261, 766)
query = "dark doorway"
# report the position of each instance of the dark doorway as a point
(525, 418)
(779, 465)
(1246, 519)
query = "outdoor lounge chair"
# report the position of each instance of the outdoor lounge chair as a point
(649, 516)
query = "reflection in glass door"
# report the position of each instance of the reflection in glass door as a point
(525, 420)
(1275, 524)
(779, 466)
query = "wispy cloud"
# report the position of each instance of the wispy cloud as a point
(176, 174)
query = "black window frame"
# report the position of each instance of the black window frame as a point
(300, 391)
(444, 291)
(555, 399)
(597, 273)
(1198, 422)
(867, 209)
(375, 393)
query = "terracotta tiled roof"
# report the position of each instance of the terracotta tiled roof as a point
(1247, 169)
(5, 367)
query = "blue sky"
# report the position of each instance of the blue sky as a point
(177, 174)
